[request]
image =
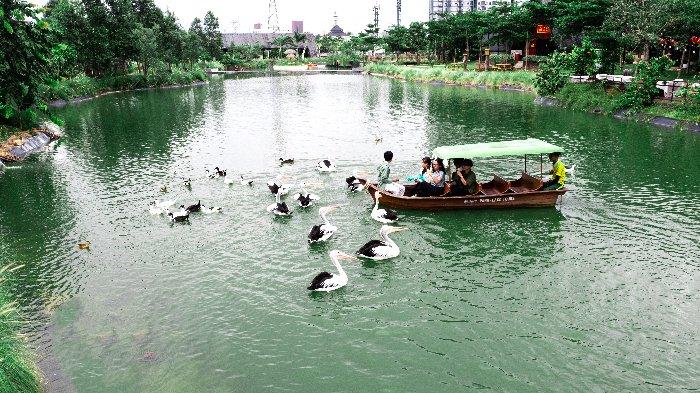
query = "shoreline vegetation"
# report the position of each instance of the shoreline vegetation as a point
(590, 98)
(18, 369)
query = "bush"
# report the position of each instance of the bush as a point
(501, 58)
(583, 58)
(642, 92)
(553, 74)
(586, 97)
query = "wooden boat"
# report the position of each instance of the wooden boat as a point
(495, 194)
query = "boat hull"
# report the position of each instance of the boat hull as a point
(472, 202)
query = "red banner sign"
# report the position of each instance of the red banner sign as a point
(543, 31)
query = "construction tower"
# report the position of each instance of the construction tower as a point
(273, 20)
(398, 12)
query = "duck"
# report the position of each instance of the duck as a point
(325, 166)
(216, 173)
(193, 208)
(381, 249)
(187, 183)
(279, 208)
(164, 189)
(324, 231)
(354, 184)
(277, 188)
(326, 282)
(385, 216)
(286, 161)
(305, 199)
(84, 245)
(212, 209)
(377, 139)
(245, 182)
(181, 216)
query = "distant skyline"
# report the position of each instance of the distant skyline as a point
(353, 15)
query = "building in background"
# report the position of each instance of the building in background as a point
(439, 7)
(267, 42)
(297, 26)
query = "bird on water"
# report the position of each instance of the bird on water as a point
(279, 208)
(325, 166)
(381, 249)
(324, 231)
(326, 282)
(276, 188)
(305, 199)
(385, 216)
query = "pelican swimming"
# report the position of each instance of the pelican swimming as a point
(323, 232)
(325, 166)
(326, 282)
(164, 204)
(279, 208)
(354, 184)
(385, 216)
(277, 188)
(381, 249)
(154, 209)
(180, 216)
(305, 199)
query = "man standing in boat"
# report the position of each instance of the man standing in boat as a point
(558, 173)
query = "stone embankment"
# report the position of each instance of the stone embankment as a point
(20, 145)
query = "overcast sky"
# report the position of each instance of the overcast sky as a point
(353, 15)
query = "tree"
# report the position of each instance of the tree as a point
(283, 42)
(300, 39)
(24, 61)
(643, 22)
(122, 24)
(192, 49)
(573, 18)
(147, 13)
(328, 44)
(147, 45)
(96, 52)
(212, 36)
(170, 40)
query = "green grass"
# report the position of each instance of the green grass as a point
(519, 79)
(18, 372)
(587, 97)
(677, 109)
(81, 85)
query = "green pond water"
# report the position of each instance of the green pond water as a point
(601, 293)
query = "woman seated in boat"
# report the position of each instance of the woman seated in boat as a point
(424, 171)
(435, 182)
(463, 179)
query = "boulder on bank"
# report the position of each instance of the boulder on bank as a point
(20, 145)
(546, 101)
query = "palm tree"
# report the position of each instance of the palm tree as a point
(282, 42)
(300, 39)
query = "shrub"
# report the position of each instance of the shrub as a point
(501, 58)
(583, 58)
(553, 74)
(642, 92)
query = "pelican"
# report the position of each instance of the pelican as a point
(325, 166)
(354, 184)
(570, 170)
(228, 179)
(277, 188)
(385, 216)
(381, 249)
(245, 182)
(164, 204)
(323, 232)
(305, 199)
(326, 282)
(181, 216)
(279, 208)
(154, 209)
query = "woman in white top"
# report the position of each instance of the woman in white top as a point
(435, 181)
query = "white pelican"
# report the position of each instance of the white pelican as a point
(155, 210)
(245, 182)
(325, 166)
(279, 208)
(180, 216)
(354, 184)
(164, 204)
(305, 199)
(277, 188)
(385, 216)
(323, 232)
(381, 249)
(326, 282)
(570, 170)
(228, 179)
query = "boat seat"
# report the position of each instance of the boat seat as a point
(496, 186)
(526, 183)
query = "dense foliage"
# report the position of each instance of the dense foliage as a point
(641, 93)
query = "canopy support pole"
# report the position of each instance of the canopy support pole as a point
(541, 168)
(525, 163)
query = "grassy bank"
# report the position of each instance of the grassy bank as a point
(82, 85)
(595, 98)
(18, 372)
(517, 79)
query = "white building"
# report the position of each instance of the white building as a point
(437, 7)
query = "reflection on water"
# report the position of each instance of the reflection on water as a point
(598, 293)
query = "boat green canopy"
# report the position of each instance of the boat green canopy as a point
(496, 149)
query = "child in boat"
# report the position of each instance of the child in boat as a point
(464, 179)
(384, 170)
(558, 173)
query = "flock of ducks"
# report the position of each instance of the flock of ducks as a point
(383, 248)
